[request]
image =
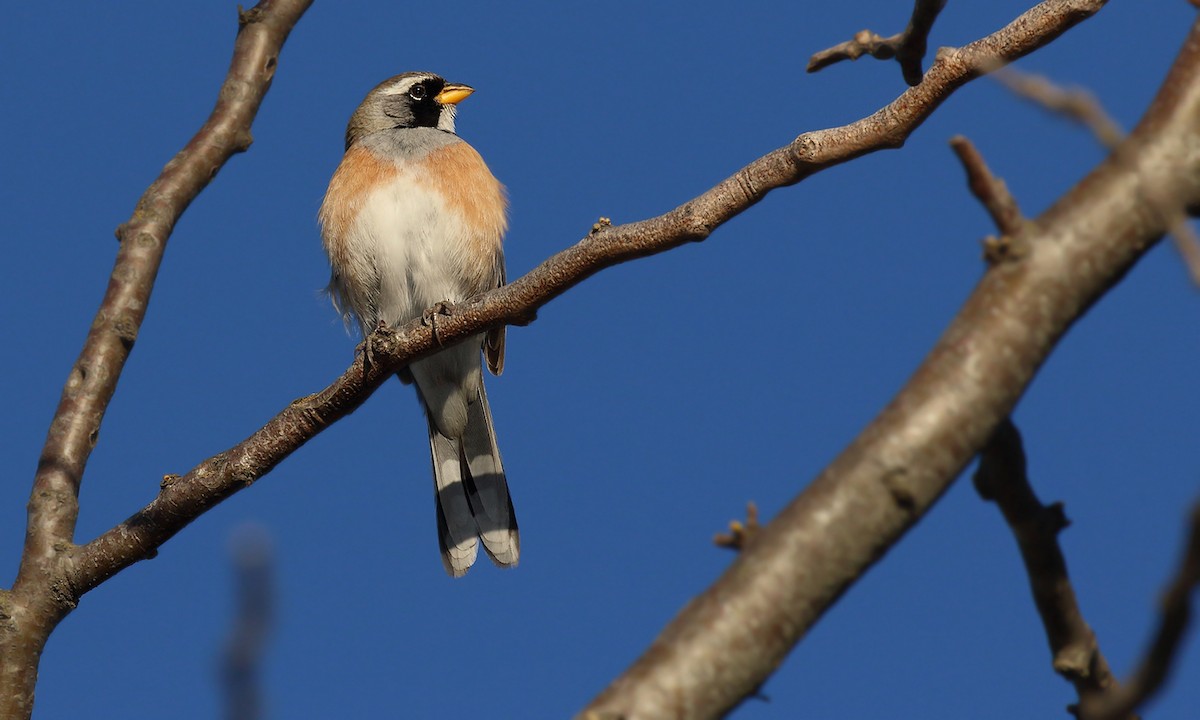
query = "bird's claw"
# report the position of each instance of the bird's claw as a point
(367, 347)
(429, 318)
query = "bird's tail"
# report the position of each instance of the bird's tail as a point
(472, 494)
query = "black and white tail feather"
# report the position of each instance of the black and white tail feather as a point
(472, 496)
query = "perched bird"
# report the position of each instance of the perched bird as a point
(412, 218)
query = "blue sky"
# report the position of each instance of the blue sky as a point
(636, 416)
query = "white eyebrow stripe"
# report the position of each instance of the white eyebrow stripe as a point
(405, 85)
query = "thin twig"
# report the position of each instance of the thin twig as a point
(1002, 478)
(987, 188)
(1080, 106)
(1156, 664)
(908, 47)
(1075, 104)
(740, 534)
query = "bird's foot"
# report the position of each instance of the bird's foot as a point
(366, 348)
(430, 316)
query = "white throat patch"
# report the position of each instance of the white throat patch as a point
(446, 119)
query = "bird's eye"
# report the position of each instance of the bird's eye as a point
(417, 92)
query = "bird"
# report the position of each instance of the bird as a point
(414, 219)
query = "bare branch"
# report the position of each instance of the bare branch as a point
(987, 188)
(1080, 106)
(1173, 625)
(725, 642)
(182, 501)
(908, 47)
(1002, 478)
(53, 504)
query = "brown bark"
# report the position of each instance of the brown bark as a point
(1002, 478)
(1082, 107)
(727, 641)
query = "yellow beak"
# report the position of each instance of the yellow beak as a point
(454, 94)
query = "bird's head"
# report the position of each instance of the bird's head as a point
(411, 100)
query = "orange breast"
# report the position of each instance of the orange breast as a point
(455, 172)
(463, 179)
(360, 172)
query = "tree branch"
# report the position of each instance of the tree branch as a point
(183, 499)
(1080, 106)
(1176, 613)
(990, 190)
(908, 47)
(1002, 478)
(38, 598)
(725, 643)
(993, 194)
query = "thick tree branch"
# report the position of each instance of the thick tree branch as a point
(1176, 613)
(1002, 478)
(183, 499)
(908, 47)
(39, 597)
(727, 641)
(1080, 106)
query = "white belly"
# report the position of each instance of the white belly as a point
(416, 248)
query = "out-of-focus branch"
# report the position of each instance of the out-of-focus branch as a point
(1187, 244)
(1075, 104)
(185, 498)
(1173, 624)
(1080, 106)
(40, 595)
(725, 643)
(1002, 478)
(908, 47)
(240, 670)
